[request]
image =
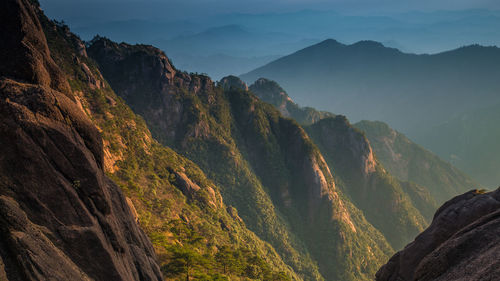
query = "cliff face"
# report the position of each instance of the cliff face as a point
(61, 218)
(372, 189)
(462, 243)
(408, 161)
(422, 176)
(265, 164)
(349, 154)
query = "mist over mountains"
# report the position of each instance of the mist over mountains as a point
(422, 96)
(222, 43)
(115, 164)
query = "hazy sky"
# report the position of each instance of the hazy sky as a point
(78, 11)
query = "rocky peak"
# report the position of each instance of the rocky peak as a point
(25, 55)
(461, 243)
(271, 92)
(156, 73)
(102, 47)
(232, 82)
(338, 133)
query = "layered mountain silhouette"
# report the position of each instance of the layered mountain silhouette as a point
(357, 80)
(403, 158)
(426, 92)
(118, 166)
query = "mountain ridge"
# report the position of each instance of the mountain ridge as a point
(240, 131)
(425, 90)
(419, 172)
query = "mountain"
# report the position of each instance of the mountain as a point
(357, 80)
(421, 175)
(415, 31)
(61, 217)
(424, 90)
(271, 92)
(461, 243)
(265, 164)
(469, 140)
(349, 154)
(227, 49)
(408, 161)
(106, 182)
(85, 182)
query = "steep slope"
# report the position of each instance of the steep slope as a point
(469, 141)
(329, 137)
(372, 189)
(193, 231)
(61, 218)
(462, 243)
(265, 164)
(408, 161)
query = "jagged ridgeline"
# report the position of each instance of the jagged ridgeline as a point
(265, 164)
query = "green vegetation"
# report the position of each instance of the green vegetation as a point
(265, 164)
(375, 192)
(190, 228)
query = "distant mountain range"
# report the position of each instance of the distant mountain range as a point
(413, 93)
(237, 43)
(228, 49)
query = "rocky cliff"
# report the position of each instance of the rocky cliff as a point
(410, 162)
(61, 217)
(372, 189)
(462, 243)
(423, 176)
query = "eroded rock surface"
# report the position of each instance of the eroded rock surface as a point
(61, 218)
(462, 243)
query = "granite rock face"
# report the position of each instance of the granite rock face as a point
(61, 218)
(462, 243)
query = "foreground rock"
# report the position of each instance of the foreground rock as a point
(462, 243)
(61, 218)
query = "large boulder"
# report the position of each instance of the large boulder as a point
(462, 243)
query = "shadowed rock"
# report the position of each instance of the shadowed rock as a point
(61, 218)
(462, 243)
